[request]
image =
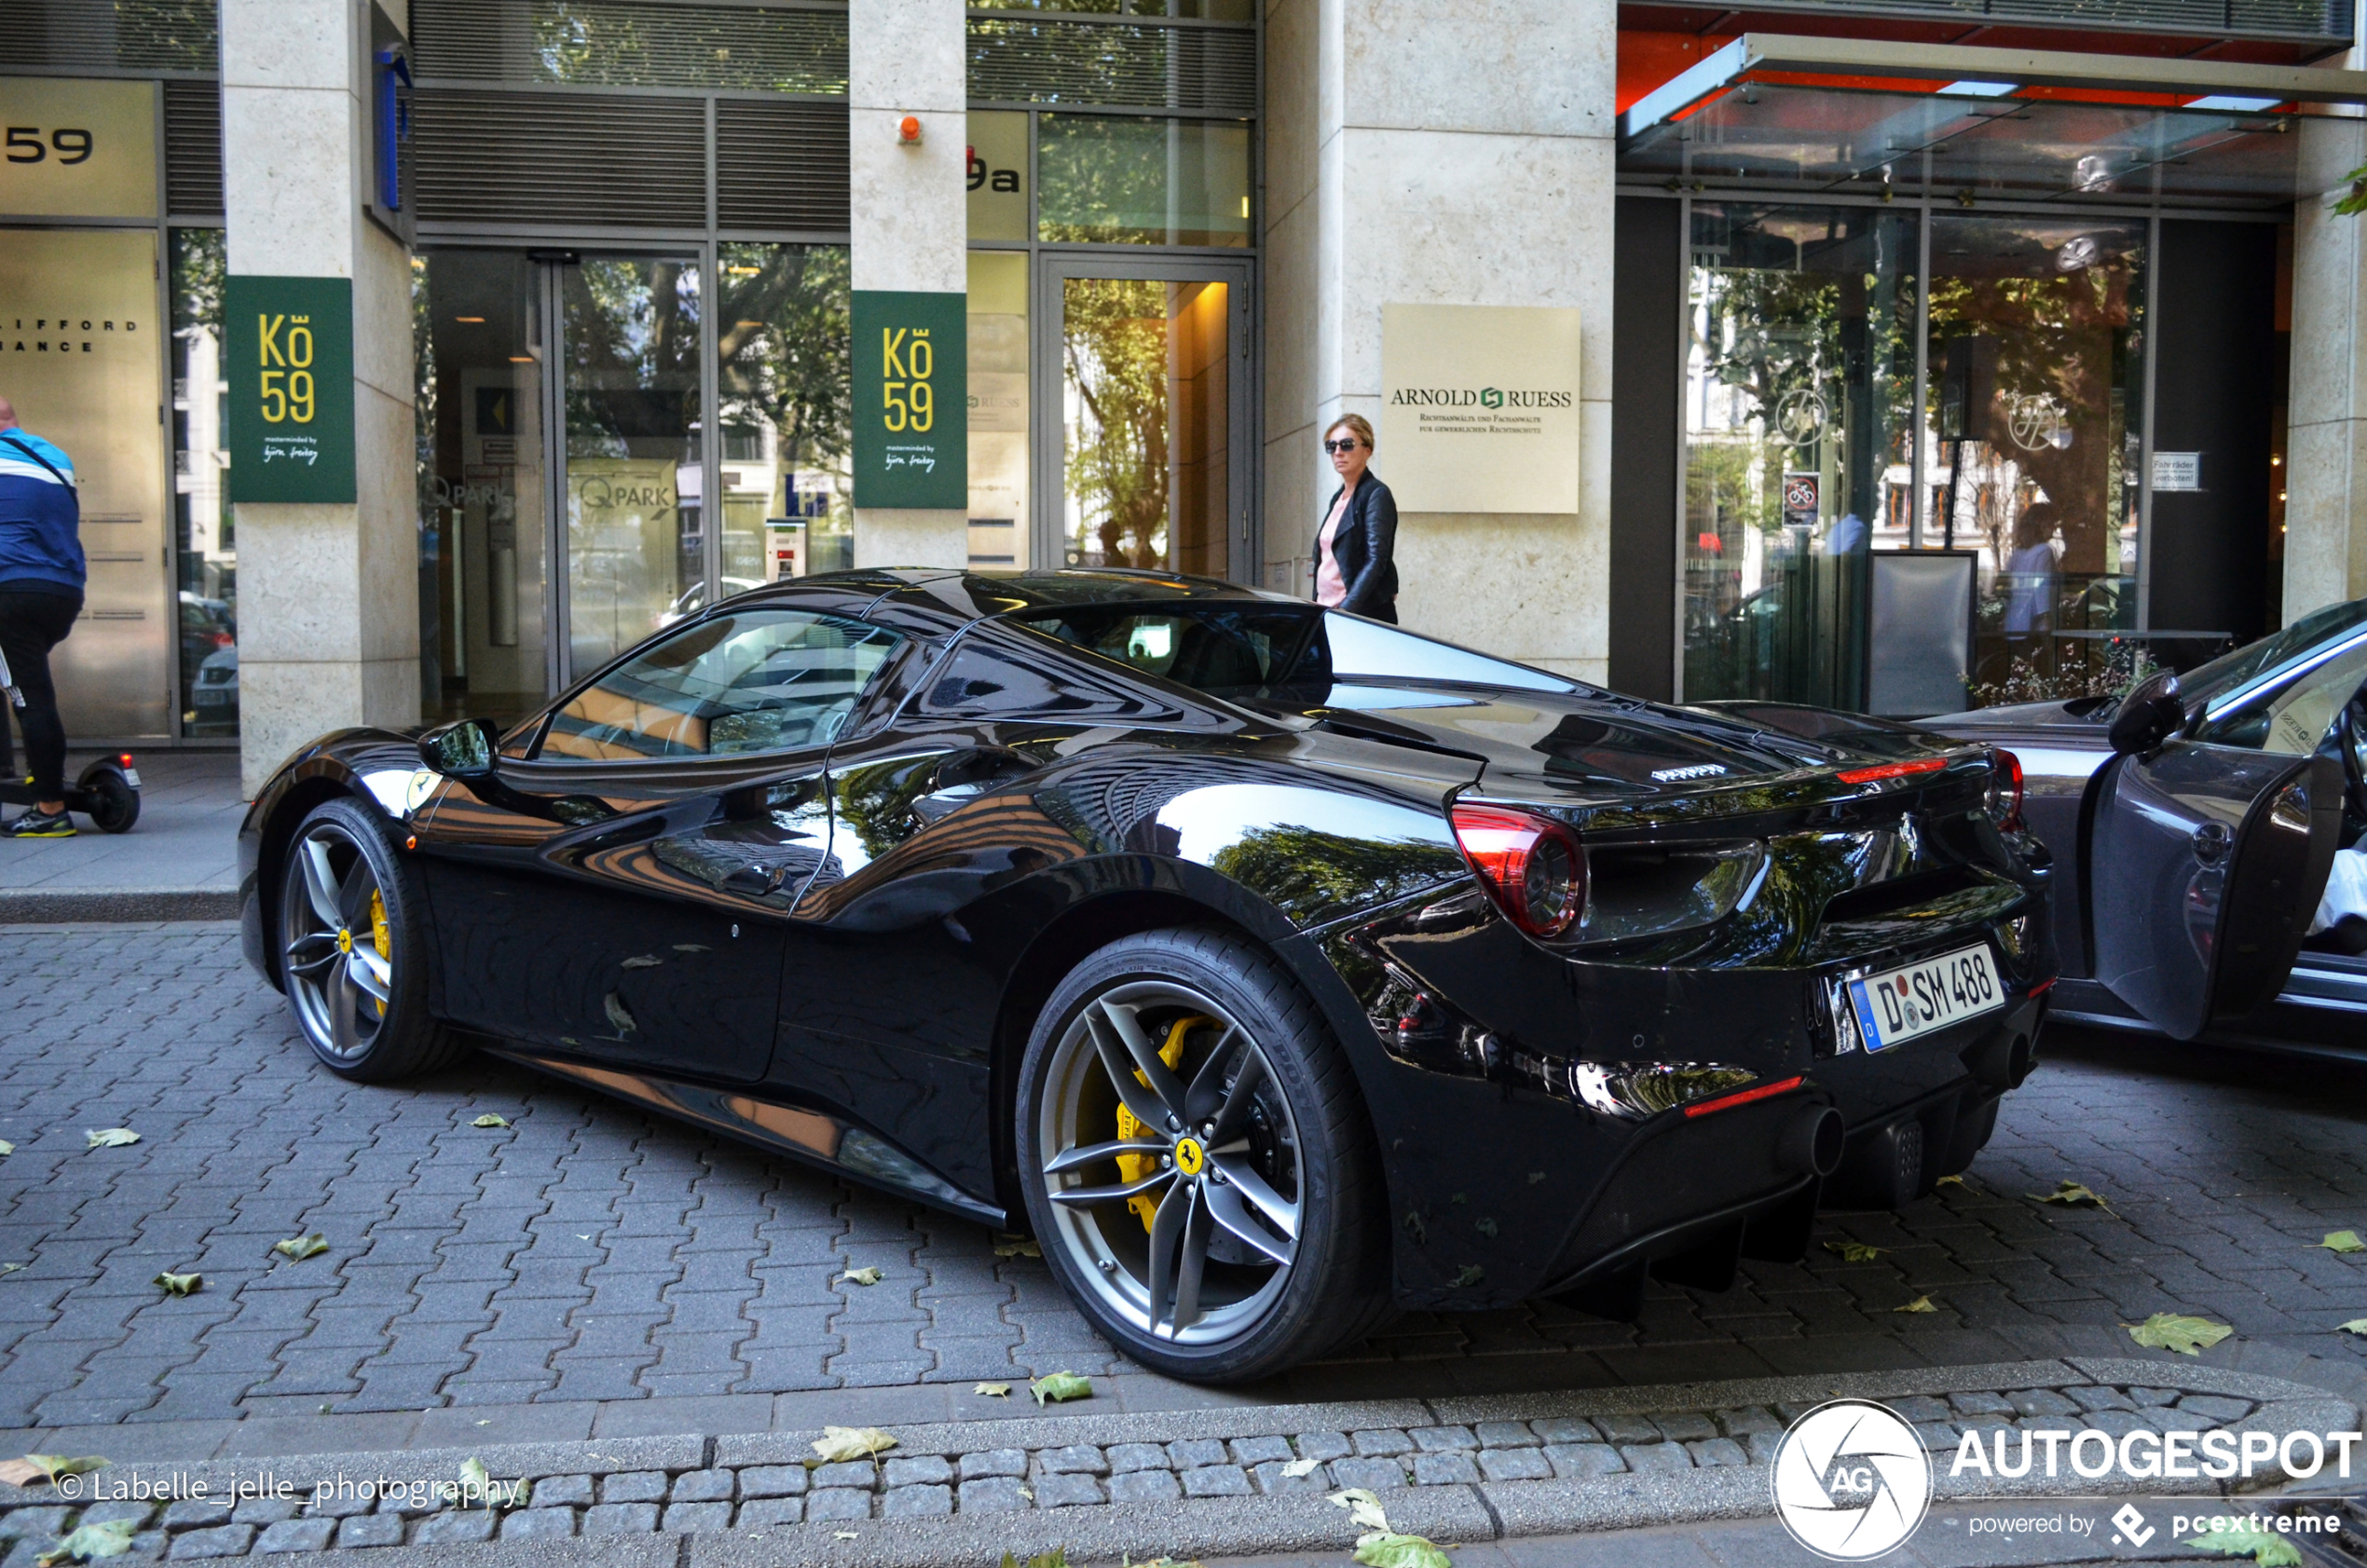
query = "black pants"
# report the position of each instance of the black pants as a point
(31, 624)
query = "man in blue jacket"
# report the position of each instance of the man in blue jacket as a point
(41, 578)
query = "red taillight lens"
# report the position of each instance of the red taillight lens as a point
(1533, 866)
(1894, 769)
(1744, 1097)
(2006, 789)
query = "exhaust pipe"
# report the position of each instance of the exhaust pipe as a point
(2003, 1064)
(1813, 1142)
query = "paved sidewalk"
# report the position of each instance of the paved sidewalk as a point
(178, 861)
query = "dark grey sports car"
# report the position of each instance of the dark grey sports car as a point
(1274, 966)
(2195, 821)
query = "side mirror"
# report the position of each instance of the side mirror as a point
(2151, 714)
(461, 751)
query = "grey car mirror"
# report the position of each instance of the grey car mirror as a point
(459, 751)
(2151, 714)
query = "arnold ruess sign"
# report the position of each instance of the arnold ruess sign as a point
(1480, 407)
(288, 345)
(911, 400)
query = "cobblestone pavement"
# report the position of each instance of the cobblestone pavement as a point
(590, 1252)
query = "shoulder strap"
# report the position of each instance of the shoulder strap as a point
(38, 458)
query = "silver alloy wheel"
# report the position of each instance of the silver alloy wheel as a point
(1217, 1148)
(338, 978)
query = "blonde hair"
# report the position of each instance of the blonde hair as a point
(1356, 424)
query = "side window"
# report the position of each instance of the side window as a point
(986, 678)
(760, 680)
(1364, 647)
(1224, 652)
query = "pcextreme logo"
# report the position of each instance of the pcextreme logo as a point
(1852, 1481)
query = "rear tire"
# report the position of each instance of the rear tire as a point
(1256, 1237)
(114, 805)
(353, 949)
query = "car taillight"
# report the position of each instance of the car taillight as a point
(2006, 789)
(1892, 770)
(1533, 866)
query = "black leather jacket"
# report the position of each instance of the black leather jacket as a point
(1366, 548)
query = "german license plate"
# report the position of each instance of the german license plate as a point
(1901, 1004)
(131, 777)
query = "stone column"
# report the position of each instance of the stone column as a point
(1446, 152)
(910, 211)
(328, 595)
(2326, 441)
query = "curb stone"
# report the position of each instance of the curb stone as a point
(1691, 1477)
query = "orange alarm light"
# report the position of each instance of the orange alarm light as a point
(909, 128)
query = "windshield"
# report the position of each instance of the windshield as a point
(1274, 651)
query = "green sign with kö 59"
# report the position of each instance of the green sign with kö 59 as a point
(288, 351)
(911, 399)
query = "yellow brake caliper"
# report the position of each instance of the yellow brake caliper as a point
(380, 937)
(1133, 1167)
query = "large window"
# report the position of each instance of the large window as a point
(780, 338)
(206, 541)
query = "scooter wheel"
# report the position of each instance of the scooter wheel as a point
(114, 804)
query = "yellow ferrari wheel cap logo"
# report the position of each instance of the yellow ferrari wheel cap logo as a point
(1190, 1158)
(345, 941)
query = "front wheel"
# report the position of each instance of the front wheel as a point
(353, 944)
(1197, 1161)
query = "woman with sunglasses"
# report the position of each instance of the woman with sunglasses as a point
(1356, 550)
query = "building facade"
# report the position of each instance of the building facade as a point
(1897, 356)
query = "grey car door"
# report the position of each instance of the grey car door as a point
(2204, 864)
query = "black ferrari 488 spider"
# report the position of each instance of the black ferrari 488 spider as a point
(1274, 966)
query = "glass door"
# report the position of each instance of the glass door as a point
(631, 466)
(480, 322)
(1143, 411)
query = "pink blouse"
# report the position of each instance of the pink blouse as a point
(1330, 587)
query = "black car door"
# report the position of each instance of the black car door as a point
(624, 892)
(889, 995)
(2204, 863)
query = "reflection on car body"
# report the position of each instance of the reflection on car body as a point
(1274, 966)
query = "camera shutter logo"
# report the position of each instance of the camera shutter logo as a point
(1852, 1481)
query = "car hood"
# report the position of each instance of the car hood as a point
(1596, 747)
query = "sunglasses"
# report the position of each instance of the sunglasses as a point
(1348, 445)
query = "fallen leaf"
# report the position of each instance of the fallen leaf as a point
(2265, 1548)
(476, 1481)
(1298, 1467)
(1017, 1247)
(862, 1277)
(1060, 1386)
(1953, 1182)
(646, 961)
(621, 1017)
(92, 1541)
(838, 1444)
(108, 1138)
(2342, 1241)
(842, 1535)
(7, 1148)
(490, 1120)
(2072, 1194)
(1535, 1177)
(1921, 1304)
(1855, 1251)
(2355, 1325)
(994, 1390)
(11, 1268)
(56, 1465)
(1484, 1225)
(1364, 1508)
(1057, 1558)
(181, 1284)
(2169, 1330)
(1469, 1275)
(1381, 1549)
(301, 1247)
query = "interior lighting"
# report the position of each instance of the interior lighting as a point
(472, 320)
